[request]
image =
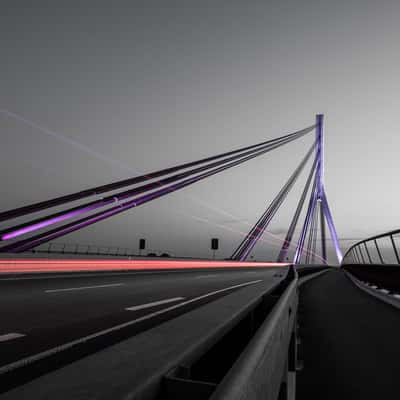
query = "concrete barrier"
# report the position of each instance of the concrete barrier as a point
(262, 371)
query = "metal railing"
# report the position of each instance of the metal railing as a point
(378, 249)
(96, 250)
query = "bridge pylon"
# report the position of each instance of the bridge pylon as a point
(319, 200)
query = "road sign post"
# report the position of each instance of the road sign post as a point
(214, 246)
(142, 245)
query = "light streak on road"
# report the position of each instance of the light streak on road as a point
(38, 265)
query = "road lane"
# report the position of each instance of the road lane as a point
(53, 319)
(58, 349)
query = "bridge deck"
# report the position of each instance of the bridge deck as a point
(350, 342)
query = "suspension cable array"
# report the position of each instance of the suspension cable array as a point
(317, 211)
(18, 212)
(176, 178)
(289, 236)
(258, 229)
(240, 156)
(43, 222)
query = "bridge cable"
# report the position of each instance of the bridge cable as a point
(311, 206)
(314, 250)
(289, 236)
(323, 234)
(42, 222)
(258, 229)
(311, 233)
(38, 239)
(18, 212)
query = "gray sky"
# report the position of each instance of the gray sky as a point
(98, 91)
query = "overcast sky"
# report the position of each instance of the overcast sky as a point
(96, 91)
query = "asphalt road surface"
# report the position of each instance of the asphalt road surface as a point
(349, 340)
(44, 314)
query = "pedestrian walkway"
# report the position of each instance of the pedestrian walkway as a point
(350, 342)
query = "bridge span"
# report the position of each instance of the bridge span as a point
(230, 329)
(210, 333)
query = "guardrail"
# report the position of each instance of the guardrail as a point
(252, 361)
(378, 249)
(266, 369)
(375, 261)
(89, 250)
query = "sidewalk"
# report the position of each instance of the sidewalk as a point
(350, 342)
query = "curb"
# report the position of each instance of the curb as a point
(387, 298)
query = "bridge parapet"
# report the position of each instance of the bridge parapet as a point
(379, 249)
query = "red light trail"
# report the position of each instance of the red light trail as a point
(38, 265)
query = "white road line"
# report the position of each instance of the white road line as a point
(205, 276)
(153, 304)
(10, 336)
(39, 356)
(83, 288)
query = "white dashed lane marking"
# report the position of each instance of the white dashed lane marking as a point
(153, 304)
(10, 336)
(39, 356)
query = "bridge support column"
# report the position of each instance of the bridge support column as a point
(321, 190)
(321, 196)
(323, 235)
(318, 199)
(332, 228)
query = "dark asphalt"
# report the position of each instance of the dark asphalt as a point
(349, 342)
(53, 310)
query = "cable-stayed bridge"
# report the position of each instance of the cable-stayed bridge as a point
(54, 225)
(176, 329)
